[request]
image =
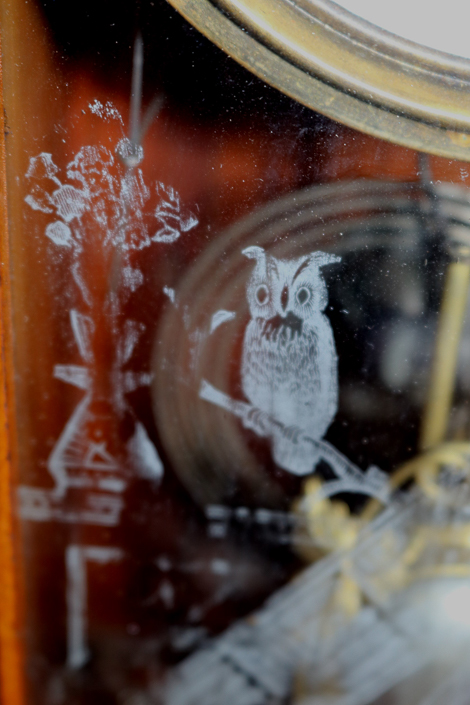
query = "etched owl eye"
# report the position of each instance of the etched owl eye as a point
(262, 294)
(303, 295)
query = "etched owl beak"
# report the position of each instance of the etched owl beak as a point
(282, 328)
(284, 298)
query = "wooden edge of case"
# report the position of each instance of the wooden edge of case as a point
(11, 651)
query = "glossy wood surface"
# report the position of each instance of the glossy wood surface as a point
(11, 647)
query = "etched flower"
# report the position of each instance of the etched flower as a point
(105, 199)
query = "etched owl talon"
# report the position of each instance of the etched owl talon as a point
(255, 420)
(292, 433)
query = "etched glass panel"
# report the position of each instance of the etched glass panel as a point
(240, 371)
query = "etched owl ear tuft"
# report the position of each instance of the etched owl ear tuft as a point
(316, 260)
(323, 258)
(255, 252)
(258, 254)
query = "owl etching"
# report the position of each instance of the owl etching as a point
(289, 361)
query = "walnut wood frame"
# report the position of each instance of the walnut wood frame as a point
(11, 653)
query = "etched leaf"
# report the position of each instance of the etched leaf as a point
(42, 171)
(69, 202)
(60, 233)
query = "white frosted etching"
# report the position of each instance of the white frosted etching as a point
(133, 380)
(126, 346)
(196, 338)
(98, 196)
(350, 478)
(83, 329)
(132, 278)
(289, 371)
(147, 461)
(169, 214)
(80, 461)
(106, 110)
(76, 558)
(80, 281)
(275, 526)
(216, 566)
(77, 375)
(70, 450)
(220, 317)
(168, 291)
(76, 459)
(42, 169)
(124, 381)
(289, 363)
(37, 504)
(59, 233)
(101, 200)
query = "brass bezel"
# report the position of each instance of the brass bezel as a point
(346, 68)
